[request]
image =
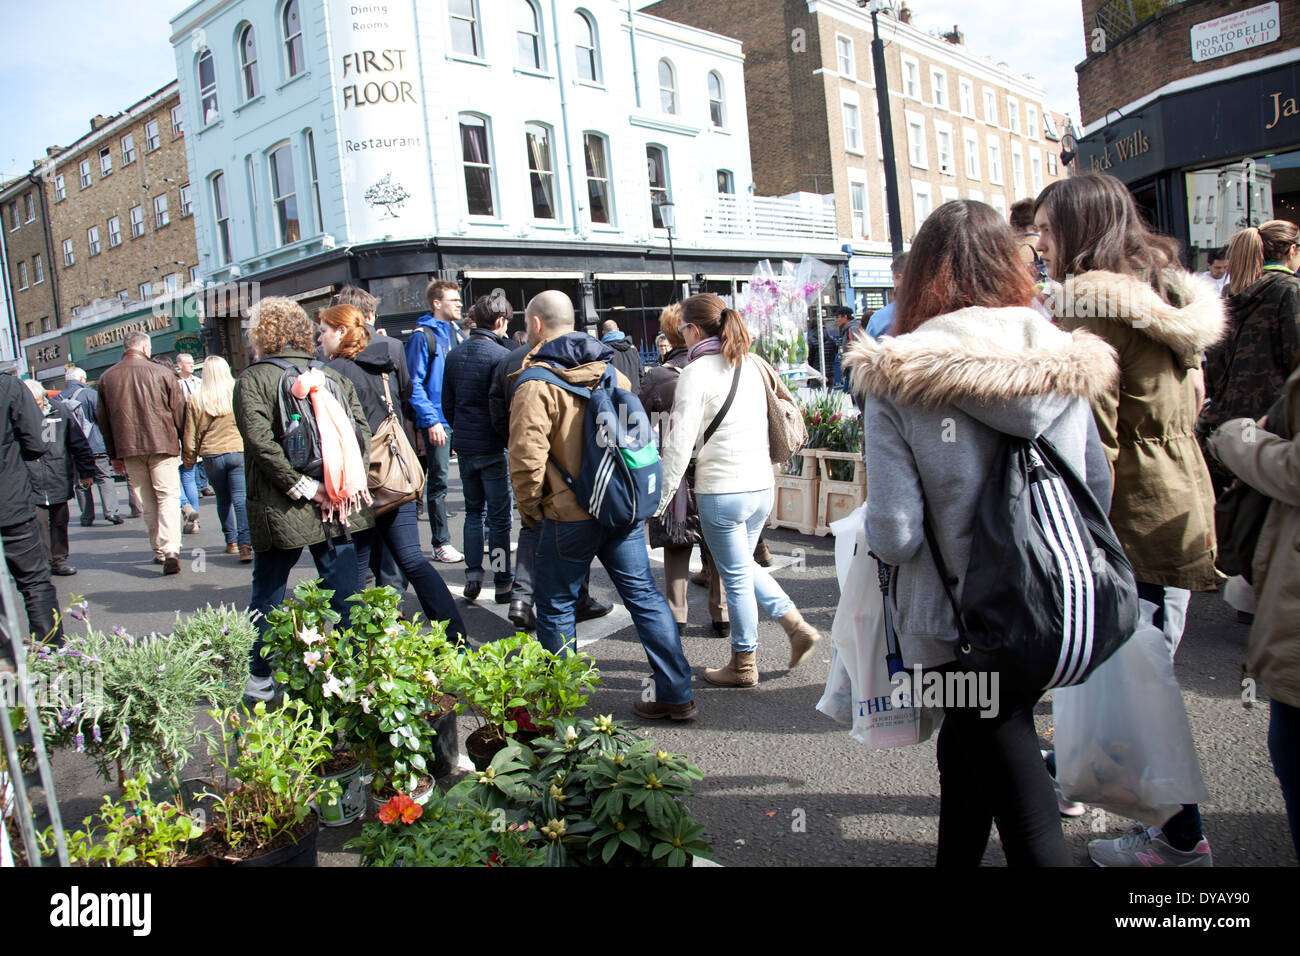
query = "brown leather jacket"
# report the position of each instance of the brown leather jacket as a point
(141, 409)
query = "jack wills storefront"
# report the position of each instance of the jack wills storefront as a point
(1207, 162)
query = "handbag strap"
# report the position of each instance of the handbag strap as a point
(717, 419)
(388, 398)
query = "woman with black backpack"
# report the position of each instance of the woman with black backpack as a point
(368, 365)
(1124, 283)
(969, 364)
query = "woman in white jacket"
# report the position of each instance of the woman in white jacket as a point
(720, 418)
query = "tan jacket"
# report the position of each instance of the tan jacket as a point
(141, 409)
(205, 436)
(1272, 465)
(1163, 504)
(546, 421)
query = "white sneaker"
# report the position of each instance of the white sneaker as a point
(447, 554)
(1064, 805)
(260, 688)
(1146, 846)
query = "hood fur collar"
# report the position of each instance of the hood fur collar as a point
(984, 356)
(1187, 329)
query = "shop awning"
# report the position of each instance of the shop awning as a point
(640, 276)
(506, 274)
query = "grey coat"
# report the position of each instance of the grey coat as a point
(935, 401)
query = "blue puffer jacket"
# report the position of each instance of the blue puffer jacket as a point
(466, 385)
(427, 370)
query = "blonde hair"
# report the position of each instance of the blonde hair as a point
(670, 325)
(213, 396)
(1252, 247)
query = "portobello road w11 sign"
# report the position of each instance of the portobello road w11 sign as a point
(1243, 30)
(380, 107)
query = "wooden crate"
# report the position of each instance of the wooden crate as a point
(838, 498)
(794, 498)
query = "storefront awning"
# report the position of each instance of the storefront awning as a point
(640, 276)
(504, 274)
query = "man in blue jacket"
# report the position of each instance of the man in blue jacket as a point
(426, 358)
(480, 452)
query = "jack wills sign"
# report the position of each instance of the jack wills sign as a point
(379, 102)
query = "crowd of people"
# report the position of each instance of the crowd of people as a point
(1174, 388)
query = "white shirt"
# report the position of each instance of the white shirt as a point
(1218, 283)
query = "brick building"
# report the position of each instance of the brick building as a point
(100, 228)
(964, 126)
(1193, 105)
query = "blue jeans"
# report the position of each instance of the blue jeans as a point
(731, 524)
(226, 474)
(564, 553)
(337, 567)
(189, 489)
(437, 464)
(399, 531)
(486, 481)
(1284, 750)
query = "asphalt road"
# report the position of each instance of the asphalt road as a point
(783, 785)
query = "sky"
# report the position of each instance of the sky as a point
(67, 60)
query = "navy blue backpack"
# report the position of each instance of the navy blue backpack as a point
(620, 480)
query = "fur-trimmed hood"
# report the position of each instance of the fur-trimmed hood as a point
(1009, 368)
(1188, 328)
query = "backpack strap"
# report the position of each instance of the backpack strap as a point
(544, 373)
(722, 412)
(945, 578)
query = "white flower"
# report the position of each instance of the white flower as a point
(570, 734)
(431, 677)
(309, 636)
(311, 659)
(393, 630)
(332, 686)
(365, 705)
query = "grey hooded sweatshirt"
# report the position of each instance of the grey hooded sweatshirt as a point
(934, 403)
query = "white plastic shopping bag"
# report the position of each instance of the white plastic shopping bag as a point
(1122, 738)
(858, 687)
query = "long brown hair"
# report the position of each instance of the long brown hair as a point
(355, 334)
(964, 255)
(708, 313)
(1095, 224)
(1252, 247)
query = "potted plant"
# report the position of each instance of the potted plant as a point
(266, 777)
(228, 633)
(594, 795)
(515, 685)
(134, 832)
(443, 832)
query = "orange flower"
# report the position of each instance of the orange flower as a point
(401, 806)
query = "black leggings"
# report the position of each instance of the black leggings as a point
(990, 768)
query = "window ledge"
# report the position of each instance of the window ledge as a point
(591, 85)
(528, 71)
(247, 103)
(855, 152)
(465, 58)
(211, 126)
(485, 221)
(665, 125)
(293, 79)
(720, 130)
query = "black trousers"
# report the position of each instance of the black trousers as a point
(54, 531)
(990, 769)
(28, 562)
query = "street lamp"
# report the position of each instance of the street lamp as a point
(667, 217)
(886, 125)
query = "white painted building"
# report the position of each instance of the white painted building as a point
(526, 140)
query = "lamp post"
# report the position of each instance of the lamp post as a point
(886, 125)
(668, 218)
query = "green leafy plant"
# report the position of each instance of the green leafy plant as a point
(228, 633)
(266, 775)
(594, 795)
(134, 832)
(443, 832)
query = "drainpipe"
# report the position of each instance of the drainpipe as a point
(564, 118)
(636, 77)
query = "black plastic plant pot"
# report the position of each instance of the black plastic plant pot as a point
(299, 854)
(446, 745)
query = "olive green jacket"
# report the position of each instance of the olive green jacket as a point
(274, 519)
(1163, 504)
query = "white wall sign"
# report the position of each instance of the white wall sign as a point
(1243, 30)
(379, 101)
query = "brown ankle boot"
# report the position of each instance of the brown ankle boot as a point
(803, 636)
(741, 672)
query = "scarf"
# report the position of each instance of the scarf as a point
(345, 472)
(709, 346)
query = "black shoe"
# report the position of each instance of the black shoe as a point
(472, 589)
(503, 594)
(589, 612)
(172, 564)
(722, 628)
(63, 570)
(521, 616)
(88, 524)
(681, 629)
(1245, 617)
(115, 519)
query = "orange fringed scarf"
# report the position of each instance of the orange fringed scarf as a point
(345, 471)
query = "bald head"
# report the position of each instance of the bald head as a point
(548, 314)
